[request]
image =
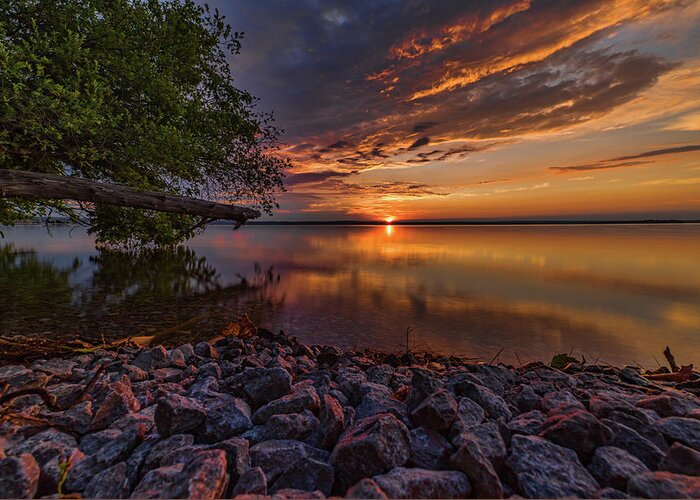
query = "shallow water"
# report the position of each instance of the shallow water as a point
(618, 294)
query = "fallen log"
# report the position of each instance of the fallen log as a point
(33, 185)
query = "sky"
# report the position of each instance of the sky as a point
(504, 109)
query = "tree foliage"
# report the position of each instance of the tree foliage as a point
(135, 92)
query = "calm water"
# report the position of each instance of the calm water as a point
(616, 293)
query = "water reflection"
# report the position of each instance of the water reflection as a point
(617, 293)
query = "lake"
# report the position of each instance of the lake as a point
(613, 293)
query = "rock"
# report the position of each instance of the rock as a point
(437, 411)
(90, 443)
(366, 488)
(470, 460)
(176, 414)
(120, 447)
(165, 447)
(150, 359)
(664, 485)
(613, 467)
(225, 419)
(371, 446)
(631, 441)
(303, 397)
(119, 401)
(560, 401)
(306, 474)
(490, 441)
(376, 402)
(204, 477)
(134, 373)
(679, 429)
(429, 450)
(578, 430)
(260, 385)
(59, 368)
(681, 460)
(110, 483)
(332, 422)
(380, 374)
(612, 493)
(159, 483)
(469, 414)
(275, 456)
(297, 426)
(19, 477)
(290, 493)
(423, 384)
(493, 404)
(206, 350)
(252, 482)
(78, 417)
(669, 404)
(134, 464)
(545, 470)
(349, 383)
(164, 375)
(529, 423)
(401, 482)
(237, 456)
(527, 400)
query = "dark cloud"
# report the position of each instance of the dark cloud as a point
(620, 162)
(423, 126)
(423, 141)
(315, 177)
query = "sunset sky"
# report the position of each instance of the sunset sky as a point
(479, 109)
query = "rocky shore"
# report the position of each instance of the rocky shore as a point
(267, 415)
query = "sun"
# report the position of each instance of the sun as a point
(389, 219)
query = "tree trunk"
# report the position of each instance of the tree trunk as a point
(31, 185)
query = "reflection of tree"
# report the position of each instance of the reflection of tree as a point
(127, 294)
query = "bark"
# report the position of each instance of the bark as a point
(32, 185)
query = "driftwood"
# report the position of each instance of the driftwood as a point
(671, 360)
(32, 185)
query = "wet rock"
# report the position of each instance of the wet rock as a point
(681, 460)
(306, 474)
(529, 423)
(119, 401)
(150, 359)
(664, 485)
(332, 422)
(19, 477)
(275, 456)
(110, 483)
(669, 404)
(631, 441)
(371, 446)
(429, 450)
(578, 430)
(225, 419)
(437, 411)
(679, 429)
(176, 414)
(303, 397)
(252, 482)
(366, 488)
(401, 482)
(545, 470)
(614, 467)
(527, 400)
(165, 447)
(470, 460)
(260, 385)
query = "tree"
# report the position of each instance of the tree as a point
(131, 92)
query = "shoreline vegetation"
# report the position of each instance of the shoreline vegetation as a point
(251, 412)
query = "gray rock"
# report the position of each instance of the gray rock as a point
(90, 443)
(260, 385)
(470, 460)
(176, 414)
(669, 404)
(78, 417)
(158, 483)
(297, 426)
(560, 401)
(119, 401)
(152, 358)
(237, 456)
(332, 422)
(380, 374)
(545, 470)
(19, 477)
(527, 400)
(225, 419)
(59, 368)
(664, 485)
(429, 450)
(206, 350)
(371, 446)
(204, 477)
(110, 483)
(612, 493)
(469, 414)
(366, 488)
(613, 467)
(423, 384)
(492, 403)
(134, 373)
(165, 447)
(679, 429)
(579, 430)
(437, 411)
(303, 397)
(120, 447)
(631, 441)
(135, 463)
(490, 441)
(375, 402)
(306, 474)
(275, 456)
(401, 482)
(529, 423)
(681, 460)
(349, 382)
(81, 474)
(252, 482)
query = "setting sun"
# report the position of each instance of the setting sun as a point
(389, 219)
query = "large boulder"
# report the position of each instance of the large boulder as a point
(371, 446)
(401, 482)
(543, 469)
